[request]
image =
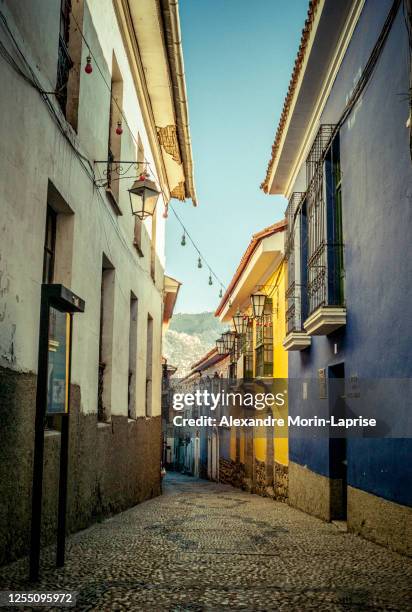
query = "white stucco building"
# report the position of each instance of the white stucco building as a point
(66, 218)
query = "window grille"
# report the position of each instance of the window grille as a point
(325, 255)
(296, 289)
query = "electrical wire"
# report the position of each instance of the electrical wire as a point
(202, 257)
(108, 85)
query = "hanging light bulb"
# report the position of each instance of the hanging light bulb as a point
(88, 67)
(119, 129)
(183, 241)
(210, 280)
(199, 263)
(165, 212)
(220, 293)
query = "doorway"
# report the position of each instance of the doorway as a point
(337, 444)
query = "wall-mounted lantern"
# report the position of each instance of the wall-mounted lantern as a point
(143, 197)
(240, 323)
(229, 340)
(220, 345)
(258, 304)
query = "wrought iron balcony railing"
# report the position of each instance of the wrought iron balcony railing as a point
(296, 311)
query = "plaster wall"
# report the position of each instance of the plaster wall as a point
(38, 154)
(376, 193)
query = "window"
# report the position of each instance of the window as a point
(132, 358)
(65, 63)
(246, 350)
(296, 287)
(149, 365)
(69, 59)
(324, 208)
(264, 342)
(49, 246)
(115, 138)
(105, 341)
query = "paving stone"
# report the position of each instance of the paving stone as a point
(206, 546)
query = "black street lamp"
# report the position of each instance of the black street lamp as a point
(143, 197)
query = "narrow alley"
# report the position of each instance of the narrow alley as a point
(207, 546)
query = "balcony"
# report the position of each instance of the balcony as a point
(327, 311)
(325, 320)
(297, 339)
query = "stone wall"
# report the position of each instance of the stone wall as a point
(309, 491)
(112, 466)
(380, 520)
(281, 482)
(231, 472)
(234, 473)
(260, 481)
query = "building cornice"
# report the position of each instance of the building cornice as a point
(163, 116)
(313, 124)
(309, 36)
(124, 19)
(301, 57)
(255, 241)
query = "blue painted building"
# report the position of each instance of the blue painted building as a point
(342, 157)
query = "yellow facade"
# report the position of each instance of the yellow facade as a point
(276, 291)
(269, 358)
(280, 358)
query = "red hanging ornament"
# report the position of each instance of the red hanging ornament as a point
(88, 67)
(119, 129)
(165, 212)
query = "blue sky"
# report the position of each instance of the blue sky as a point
(238, 61)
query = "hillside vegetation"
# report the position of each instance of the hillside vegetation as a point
(189, 337)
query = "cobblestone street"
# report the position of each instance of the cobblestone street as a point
(204, 546)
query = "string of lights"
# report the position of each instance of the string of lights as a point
(29, 76)
(201, 258)
(89, 69)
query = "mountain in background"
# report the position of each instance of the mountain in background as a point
(189, 337)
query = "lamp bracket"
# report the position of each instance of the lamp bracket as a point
(117, 169)
(265, 288)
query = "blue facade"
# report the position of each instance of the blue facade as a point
(376, 342)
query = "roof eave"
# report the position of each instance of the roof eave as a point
(171, 21)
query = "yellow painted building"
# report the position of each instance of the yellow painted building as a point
(260, 456)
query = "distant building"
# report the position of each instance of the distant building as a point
(93, 95)
(342, 157)
(257, 458)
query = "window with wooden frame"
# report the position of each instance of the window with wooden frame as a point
(69, 59)
(49, 245)
(115, 136)
(264, 341)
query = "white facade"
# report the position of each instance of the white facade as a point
(42, 163)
